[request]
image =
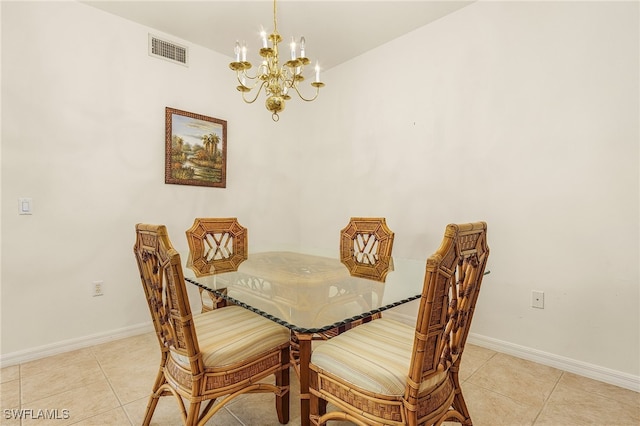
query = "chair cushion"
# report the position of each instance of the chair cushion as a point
(231, 334)
(374, 357)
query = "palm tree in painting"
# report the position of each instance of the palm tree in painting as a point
(215, 140)
(206, 142)
(210, 143)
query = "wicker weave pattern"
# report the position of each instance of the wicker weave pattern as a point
(388, 409)
(216, 245)
(365, 247)
(194, 382)
(452, 282)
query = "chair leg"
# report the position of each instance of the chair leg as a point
(151, 407)
(317, 405)
(459, 403)
(193, 414)
(154, 398)
(283, 381)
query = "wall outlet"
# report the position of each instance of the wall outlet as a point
(98, 288)
(537, 299)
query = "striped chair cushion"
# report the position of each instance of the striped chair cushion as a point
(374, 356)
(231, 334)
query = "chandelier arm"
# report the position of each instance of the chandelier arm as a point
(257, 94)
(295, 87)
(244, 73)
(244, 83)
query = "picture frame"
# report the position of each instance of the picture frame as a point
(195, 149)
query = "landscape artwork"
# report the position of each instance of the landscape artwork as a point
(195, 149)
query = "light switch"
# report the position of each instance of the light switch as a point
(25, 205)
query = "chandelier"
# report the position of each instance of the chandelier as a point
(277, 81)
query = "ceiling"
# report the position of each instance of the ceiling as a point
(335, 31)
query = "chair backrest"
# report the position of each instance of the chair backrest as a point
(164, 286)
(365, 247)
(216, 245)
(452, 283)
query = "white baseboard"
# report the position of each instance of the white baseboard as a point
(18, 357)
(617, 378)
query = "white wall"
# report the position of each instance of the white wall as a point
(524, 115)
(83, 135)
(521, 114)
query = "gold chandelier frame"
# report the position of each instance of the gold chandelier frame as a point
(277, 81)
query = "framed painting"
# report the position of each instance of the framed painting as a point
(195, 149)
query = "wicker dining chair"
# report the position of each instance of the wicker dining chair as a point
(216, 245)
(365, 247)
(217, 355)
(385, 372)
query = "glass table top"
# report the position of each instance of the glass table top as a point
(310, 293)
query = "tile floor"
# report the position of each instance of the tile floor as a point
(108, 384)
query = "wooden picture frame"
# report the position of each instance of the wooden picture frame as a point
(195, 149)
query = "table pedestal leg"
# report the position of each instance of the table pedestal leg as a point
(305, 358)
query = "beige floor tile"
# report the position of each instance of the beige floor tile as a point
(606, 390)
(473, 359)
(115, 417)
(81, 402)
(519, 379)
(260, 409)
(9, 419)
(131, 365)
(123, 350)
(493, 409)
(10, 394)
(478, 352)
(60, 378)
(167, 413)
(43, 365)
(8, 374)
(132, 381)
(250, 408)
(569, 405)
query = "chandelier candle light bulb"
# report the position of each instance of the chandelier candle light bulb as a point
(293, 49)
(276, 80)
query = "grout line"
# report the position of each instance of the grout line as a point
(233, 415)
(479, 367)
(113, 390)
(546, 401)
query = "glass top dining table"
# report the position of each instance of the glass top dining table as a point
(311, 295)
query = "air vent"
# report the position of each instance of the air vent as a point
(168, 50)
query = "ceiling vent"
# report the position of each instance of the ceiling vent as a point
(168, 50)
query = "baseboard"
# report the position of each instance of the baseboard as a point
(617, 378)
(18, 357)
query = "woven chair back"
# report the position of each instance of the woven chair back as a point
(365, 247)
(452, 282)
(165, 290)
(217, 245)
